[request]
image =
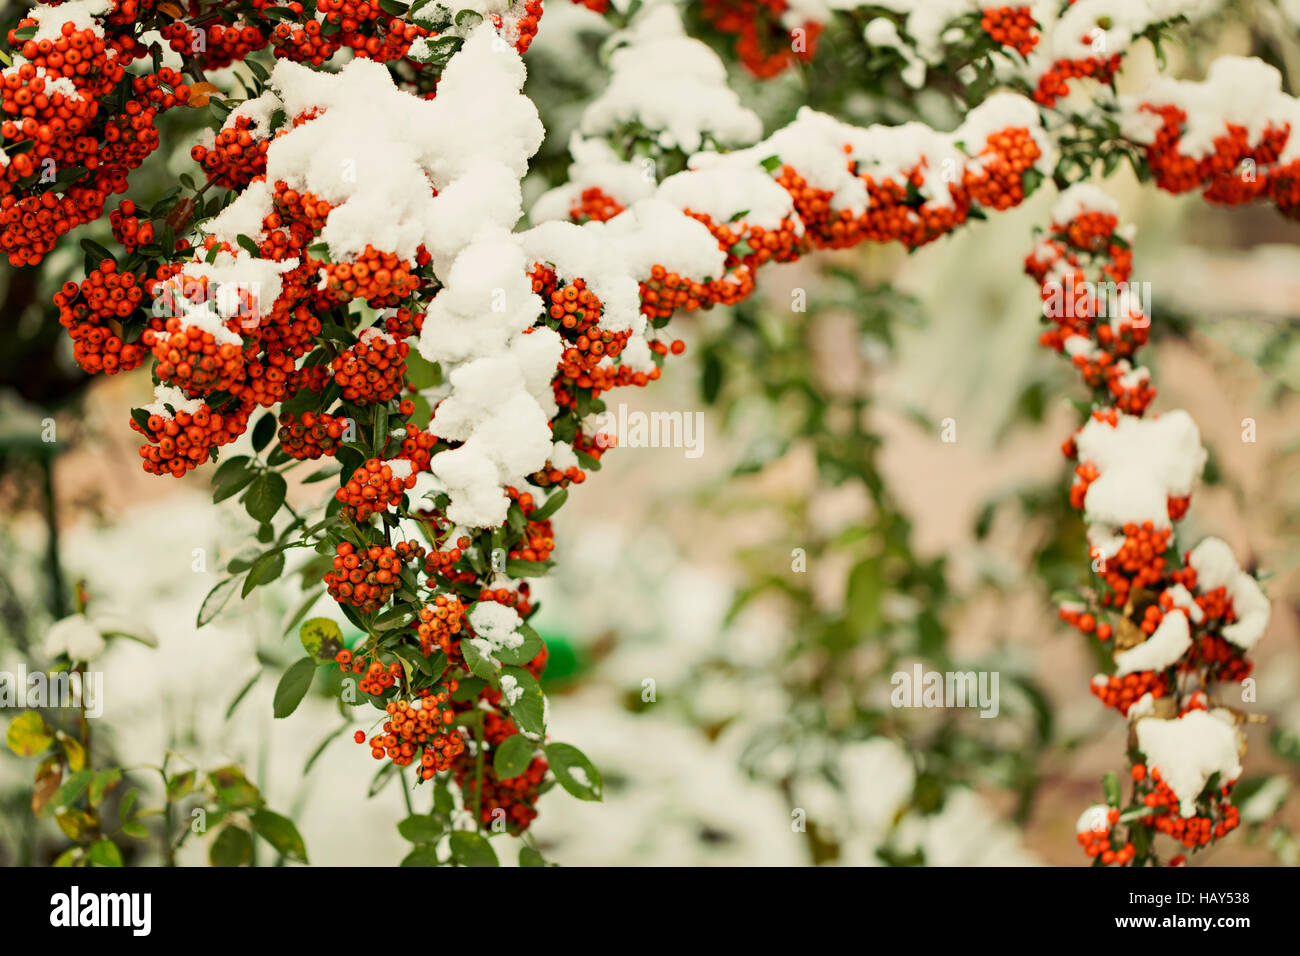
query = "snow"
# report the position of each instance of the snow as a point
(486, 300)
(82, 14)
(1242, 91)
(1145, 706)
(1082, 198)
(1189, 750)
(511, 690)
(496, 624)
(1095, 819)
(1162, 649)
(672, 85)
(165, 395)
(882, 32)
(258, 111)
(727, 190)
(1217, 568)
(238, 280)
(814, 144)
(563, 457)
(1098, 28)
(1142, 462)
(77, 636)
(506, 436)
(400, 468)
(202, 317)
(595, 164)
(377, 154)
(1182, 598)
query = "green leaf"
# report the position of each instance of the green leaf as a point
(1110, 784)
(102, 783)
(92, 248)
(422, 373)
(478, 665)
(321, 638)
(394, 618)
(72, 854)
(28, 735)
(280, 833)
(440, 50)
(216, 600)
(553, 503)
(264, 431)
(529, 707)
(525, 652)
(322, 474)
(73, 752)
(574, 771)
(234, 788)
(232, 847)
(513, 756)
(105, 853)
(72, 789)
(421, 856)
(78, 825)
(181, 784)
(470, 849)
(247, 244)
(265, 496)
(420, 828)
(866, 592)
(526, 569)
(469, 689)
(320, 748)
(293, 686)
(264, 570)
(530, 857)
(243, 692)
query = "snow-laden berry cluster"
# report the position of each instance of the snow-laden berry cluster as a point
(1178, 627)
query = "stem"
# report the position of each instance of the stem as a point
(58, 600)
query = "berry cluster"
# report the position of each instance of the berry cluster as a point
(181, 437)
(373, 370)
(375, 486)
(105, 317)
(441, 623)
(71, 134)
(310, 435)
(419, 728)
(236, 156)
(1236, 169)
(216, 45)
(1054, 83)
(127, 227)
(1194, 831)
(1013, 27)
(1167, 634)
(196, 355)
(366, 578)
(764, 44)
